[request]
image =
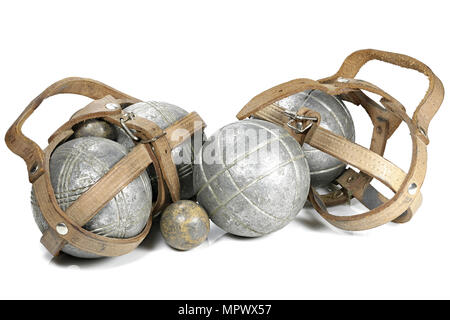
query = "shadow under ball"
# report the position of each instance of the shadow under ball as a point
(334, 117)
(260, 187)
(164, 115)
(78, 164)
(184, 225)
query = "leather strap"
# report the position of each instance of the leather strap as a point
(91, 201)
(27, 149)
(371, 163)
(429, 104)
(157, 151)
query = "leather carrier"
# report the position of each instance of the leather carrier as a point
(305, 127)
(154, 146)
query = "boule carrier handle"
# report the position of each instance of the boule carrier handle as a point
(433, 97)
(29, 150)
(154, 147)
(406, 186)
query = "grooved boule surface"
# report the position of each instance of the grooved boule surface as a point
(248, 194)
(78, 164)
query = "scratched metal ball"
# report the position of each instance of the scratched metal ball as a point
(78, 164)
(95, 128)
(251, 177)
(184, 225)
(164, 115)
(334, 117)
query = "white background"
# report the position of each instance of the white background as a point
(213, 57)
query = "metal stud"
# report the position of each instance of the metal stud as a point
(343, 80)
(34, 168)
(412, 189)
(112, 106)
(422, 131)
(62, 229)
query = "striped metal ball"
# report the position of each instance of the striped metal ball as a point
(252, 178)
(334, 117)
(77, 165)
(184, 225)
(164, 115)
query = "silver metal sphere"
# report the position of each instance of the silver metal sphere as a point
(336, 118)
(95, 128)
(164, 115)
(78, 164)
(255, 186)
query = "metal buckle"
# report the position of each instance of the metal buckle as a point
(336, 192)
(127, 117)
(130, 116)
(295, 118)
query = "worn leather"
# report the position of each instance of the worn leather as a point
(385, 118)
(156, 149)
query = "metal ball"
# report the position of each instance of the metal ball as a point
(95, 128)
(164, 115)
(252, 178)
(334, 117)
(78, 164)
(184, 225)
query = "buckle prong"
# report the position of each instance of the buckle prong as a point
(295, 118)
(127, 117)
(130, 116)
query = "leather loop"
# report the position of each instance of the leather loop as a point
(434, 95)
(108, 107)
(26, 148)
(385, 119)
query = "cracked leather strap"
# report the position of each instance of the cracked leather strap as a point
(379, 116)
(429, 104)
(406, 185)
(382, 130)
(369, 162)
(422, 116)
(375, 166)
(27, 149)
(117, 178)
(359, 187)
(88, 205)
(107, 187)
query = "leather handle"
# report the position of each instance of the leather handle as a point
(434, 95)
(26, 148)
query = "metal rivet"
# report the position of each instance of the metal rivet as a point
(112, 106)
(350, 179)
(412, 189)
(422, 131)
(34, 168)
(343, 80)
(62, 229)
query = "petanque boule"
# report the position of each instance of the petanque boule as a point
(78, 164)
(251, 177)
(164, 115)
(95, 128)
(334, 117)
(184, 225)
